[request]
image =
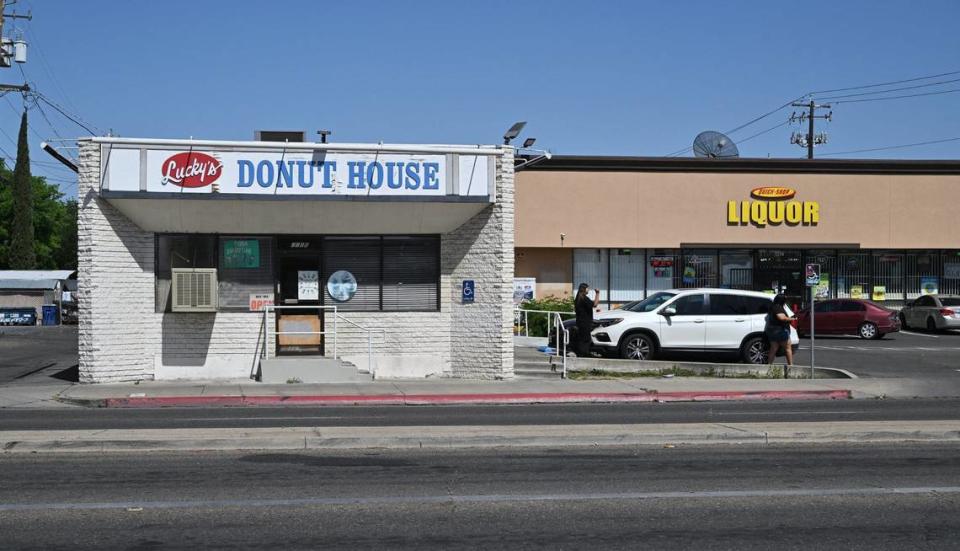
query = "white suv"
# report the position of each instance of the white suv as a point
(701, 320)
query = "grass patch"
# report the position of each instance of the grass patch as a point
(775, 372)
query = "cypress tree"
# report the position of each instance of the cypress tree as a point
(22, 256)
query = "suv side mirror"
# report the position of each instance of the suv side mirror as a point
(669, 311)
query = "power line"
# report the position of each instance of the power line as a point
(951, 91)
(76, 120)
(762, 132)
(877, 85)
(891, 147)
(887, 91)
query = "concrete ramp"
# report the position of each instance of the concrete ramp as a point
(310, 369)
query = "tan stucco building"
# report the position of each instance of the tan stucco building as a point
(880, 230)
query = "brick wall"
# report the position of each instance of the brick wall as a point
(122, 338)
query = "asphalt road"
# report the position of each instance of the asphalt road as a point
(503, 415)
(837, 497)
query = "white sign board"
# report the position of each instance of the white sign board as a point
(524, 288)
(284, 173)
(260, 300)
(308, 285)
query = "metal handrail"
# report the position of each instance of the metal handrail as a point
(561, 345)
(273, 307)
(370, 333)
(336, 316)
(517, 312)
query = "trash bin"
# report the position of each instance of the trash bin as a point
(50, 314)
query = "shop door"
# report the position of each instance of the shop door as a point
(298, 286)
(780, 271)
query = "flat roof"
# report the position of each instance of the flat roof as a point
(600, 163)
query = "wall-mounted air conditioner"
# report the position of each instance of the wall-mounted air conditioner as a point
(194, 290)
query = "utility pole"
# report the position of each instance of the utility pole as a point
(12, 50)
(809, 139)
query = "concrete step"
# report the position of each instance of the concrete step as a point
(310, 369)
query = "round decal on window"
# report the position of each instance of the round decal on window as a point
(342, 286)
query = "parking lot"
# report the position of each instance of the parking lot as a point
(36, 354)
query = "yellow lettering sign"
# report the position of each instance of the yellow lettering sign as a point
(773, 213)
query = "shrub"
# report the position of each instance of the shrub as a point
(538, 322)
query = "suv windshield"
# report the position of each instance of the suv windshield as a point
(650, 303)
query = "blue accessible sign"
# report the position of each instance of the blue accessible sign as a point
(468, 291)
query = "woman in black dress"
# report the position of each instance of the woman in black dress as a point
(778, 330)
(583, 307)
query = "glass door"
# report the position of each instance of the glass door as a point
(298, 285)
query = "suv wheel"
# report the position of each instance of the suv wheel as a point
(637, 347)
(754, 351)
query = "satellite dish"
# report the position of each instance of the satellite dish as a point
(714, 145)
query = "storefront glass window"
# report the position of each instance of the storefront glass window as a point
(923, 269)
(951, 273)
(361, 257)
(591, 266)
(246, 268)
(853, 275)
(827, 259)
(180, 251)
(887, 276)
(699, 268)
(411, 272)
(626, 275)
(663, 266)
(736, 269)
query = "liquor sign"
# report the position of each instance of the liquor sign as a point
(771, 206)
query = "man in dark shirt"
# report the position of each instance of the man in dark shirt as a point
(583, 307)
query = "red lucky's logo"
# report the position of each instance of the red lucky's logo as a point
(191, 169)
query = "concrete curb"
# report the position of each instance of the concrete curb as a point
(440, 437)
(457, 399)
(702, 369)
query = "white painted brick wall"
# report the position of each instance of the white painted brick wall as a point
(121, 334)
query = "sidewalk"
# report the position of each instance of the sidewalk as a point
(456, 391)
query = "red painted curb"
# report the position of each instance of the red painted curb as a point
(464, 399)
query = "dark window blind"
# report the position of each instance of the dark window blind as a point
(360, 257)
(411, 273)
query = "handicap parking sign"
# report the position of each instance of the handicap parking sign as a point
(468, 291)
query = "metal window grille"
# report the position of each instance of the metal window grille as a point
(591, 266)
(626, 274)
(888, 273)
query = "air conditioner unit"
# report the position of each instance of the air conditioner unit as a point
(194, 290)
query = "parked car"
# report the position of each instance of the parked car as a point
(843, 316)
(932, 312)
(692, 320)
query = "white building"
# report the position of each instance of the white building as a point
(182, 242)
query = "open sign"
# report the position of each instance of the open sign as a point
(260, 301)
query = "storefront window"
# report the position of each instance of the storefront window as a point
(590, 266)
(361, 257)
(923, 269)
(662, 267)
(853, 275)
(951, 273)
(736, 269)
(699, 268)
(411, 272)
(246, 268)
(887, 276)
(626, 275)
(180, 251)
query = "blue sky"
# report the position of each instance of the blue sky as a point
(602, 78)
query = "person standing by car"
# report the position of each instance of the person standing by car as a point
(777, 330)
(583, 307)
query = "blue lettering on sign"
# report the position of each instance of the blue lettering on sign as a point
(327, 167)
(302, 173)
(355, 174)
(245, 179)
(375, 175)
(394, 183)
(430, 180)
(265, 173)
(284, 173)
(413, 176)
(360, 174)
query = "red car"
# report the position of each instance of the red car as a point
(846, 316)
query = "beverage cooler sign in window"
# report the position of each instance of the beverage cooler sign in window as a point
(662, 266)
(342, 285)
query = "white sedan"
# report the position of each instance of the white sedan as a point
(932, 312)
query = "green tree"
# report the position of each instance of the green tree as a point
(22, 254)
